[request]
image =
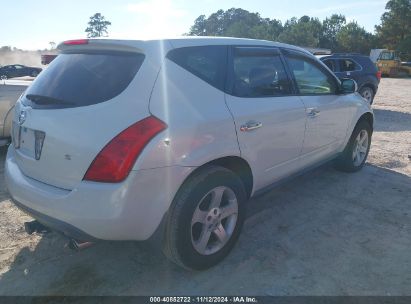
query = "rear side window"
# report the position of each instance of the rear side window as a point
(259, 74)
(206, 62)
(347, 65)
(75, 80)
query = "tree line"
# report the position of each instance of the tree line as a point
(335, 33)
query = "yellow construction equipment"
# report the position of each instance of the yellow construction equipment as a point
(389, 64)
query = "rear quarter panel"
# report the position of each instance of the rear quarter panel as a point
(200, 126)
(368, 76)
(368, 80)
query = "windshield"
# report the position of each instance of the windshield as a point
(387, 56)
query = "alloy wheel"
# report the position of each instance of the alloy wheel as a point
(360, 148)
(214, 220)
(367, 94)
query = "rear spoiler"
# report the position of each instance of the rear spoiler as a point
(96, 45)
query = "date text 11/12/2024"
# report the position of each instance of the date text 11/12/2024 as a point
(204, 299)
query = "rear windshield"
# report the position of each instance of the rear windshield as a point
(76, 80)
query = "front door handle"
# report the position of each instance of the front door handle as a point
(313, 112)
(251, 125)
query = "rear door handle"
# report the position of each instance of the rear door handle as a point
(251, 125)
(313, 112)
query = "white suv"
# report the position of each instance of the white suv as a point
(127, 140)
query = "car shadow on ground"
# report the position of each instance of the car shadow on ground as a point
(324, 233)
(392, 121)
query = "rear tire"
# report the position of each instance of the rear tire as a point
(205, 219)
(368, 94)
(34, 74)
(356, 152)
(3, 77)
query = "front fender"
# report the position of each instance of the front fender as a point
(360, 108)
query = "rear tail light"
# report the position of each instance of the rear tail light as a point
(115, 160)
(379, 75)
(76, 42)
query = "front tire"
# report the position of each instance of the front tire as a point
(205, 219)
(356, 152)
(3, 77)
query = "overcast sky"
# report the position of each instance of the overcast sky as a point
(29, 24)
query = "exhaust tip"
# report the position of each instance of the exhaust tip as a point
(77, 245)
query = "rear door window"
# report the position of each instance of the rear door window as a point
(330, 64)
(347, 65)
(259, 72)
(76, 80)
(206, 62)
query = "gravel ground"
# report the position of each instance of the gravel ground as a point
(325, 233)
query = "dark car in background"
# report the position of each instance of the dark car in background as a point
(18, 70)
(358, 67)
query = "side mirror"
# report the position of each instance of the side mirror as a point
(348, 86)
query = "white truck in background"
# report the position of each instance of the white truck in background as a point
(10, 91)
(375, 54)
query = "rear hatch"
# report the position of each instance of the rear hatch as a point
(90, 93)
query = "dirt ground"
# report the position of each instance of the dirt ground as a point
(325, 233)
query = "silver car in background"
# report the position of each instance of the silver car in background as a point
(10, 91)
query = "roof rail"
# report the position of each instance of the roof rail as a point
(317, 51)
(347, 54)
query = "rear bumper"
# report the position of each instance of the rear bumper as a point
(131, 210)
(55, 224)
